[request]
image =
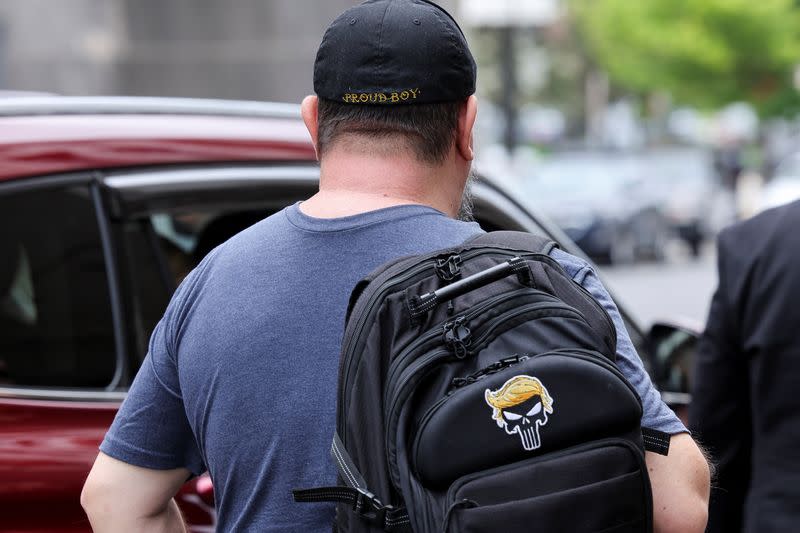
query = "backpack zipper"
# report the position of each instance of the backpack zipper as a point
(494, 368)
(502, 364)
(377, 296)
(406, 358)
(398, 364)
(414, 371)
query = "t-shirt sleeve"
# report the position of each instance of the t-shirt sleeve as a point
(657, 415)
(151, 429)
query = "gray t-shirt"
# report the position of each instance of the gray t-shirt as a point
(240, 378)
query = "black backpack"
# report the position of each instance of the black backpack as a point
(478, 393)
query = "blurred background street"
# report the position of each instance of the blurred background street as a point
(641, 128)
(677, 291)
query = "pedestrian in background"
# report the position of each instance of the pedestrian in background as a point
(746, 394)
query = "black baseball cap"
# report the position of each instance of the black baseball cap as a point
(389, 52)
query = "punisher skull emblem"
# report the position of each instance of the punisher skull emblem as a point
(520, 406)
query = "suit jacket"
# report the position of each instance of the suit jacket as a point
(746, 392)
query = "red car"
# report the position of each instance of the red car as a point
(105, 205)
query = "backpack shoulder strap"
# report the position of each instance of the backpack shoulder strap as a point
(514, 239)
(362, 284)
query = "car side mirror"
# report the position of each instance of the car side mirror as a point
(673, 347)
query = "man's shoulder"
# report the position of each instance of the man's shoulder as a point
(575, 267)
(771, 223)
(766, 236)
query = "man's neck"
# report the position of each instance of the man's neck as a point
(353, 183)
(342, 203)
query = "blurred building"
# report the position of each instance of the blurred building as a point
(69, 46)
(254, 49)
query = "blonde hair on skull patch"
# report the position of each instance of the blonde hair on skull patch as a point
(514, 392)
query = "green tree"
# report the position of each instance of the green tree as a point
(705, 53)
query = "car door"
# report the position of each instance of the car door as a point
(58, 354)
(65, 351)
(83, 280)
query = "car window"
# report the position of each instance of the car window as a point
(163, 248)
(55, 315)
(164, 222)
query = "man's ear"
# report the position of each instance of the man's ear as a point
(466, 122)
(309, 111)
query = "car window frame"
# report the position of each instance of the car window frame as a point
(112, 391)
(135, 194)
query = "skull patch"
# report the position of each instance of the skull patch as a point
(520, 406)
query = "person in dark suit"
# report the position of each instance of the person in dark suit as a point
(746, 393)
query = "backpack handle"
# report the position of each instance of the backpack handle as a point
(419, 305)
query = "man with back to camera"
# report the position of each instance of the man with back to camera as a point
(745, 405)
(240, 378)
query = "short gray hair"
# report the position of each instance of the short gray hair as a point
(428, 129)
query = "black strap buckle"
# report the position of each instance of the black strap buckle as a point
(365, 505)
(370, 509)
(449, 268)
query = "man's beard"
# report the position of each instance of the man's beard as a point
(465, 211)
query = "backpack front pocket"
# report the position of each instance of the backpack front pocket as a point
(600, 487)
(524, 411)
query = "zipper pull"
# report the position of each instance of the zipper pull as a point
(497, 366)
(457, 383)
(457, 336)
(512, 360)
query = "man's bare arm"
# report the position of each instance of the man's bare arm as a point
(121, 497)
(681, 484)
